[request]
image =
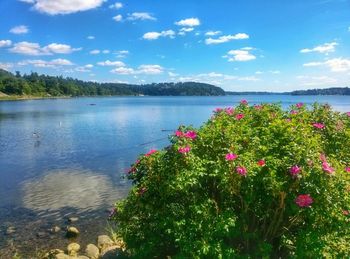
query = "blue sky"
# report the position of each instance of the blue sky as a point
(241, 45)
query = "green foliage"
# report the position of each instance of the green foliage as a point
(194, 198)
(41, 85)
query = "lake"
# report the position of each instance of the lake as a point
(63, 157)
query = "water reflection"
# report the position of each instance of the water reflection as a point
(78, 189)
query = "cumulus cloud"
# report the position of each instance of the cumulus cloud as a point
(122, 53)
(54, 7)
(335, 64)
(189, 22)
(118, 18)
(90, 37)
(116, 5)
(184, 30)
(142, 69)
(227, 38)
(6, 66)
(34, 49)
(46, 64)
(5, 43)
(324, 49)
(155, 35)
(111, 63)
(95, 52)
(212, 33)
(239, 55)
(84, 69)
(140, 16)
(21, 29)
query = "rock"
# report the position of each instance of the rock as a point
(112, 252)
(73, 219)
(72, 232)
(92, 251)
(62, 256)
(10, 230)
(73, 249)
(104, 241)
(82, 257)
(41, 234)
(55, 229)
(52, 253)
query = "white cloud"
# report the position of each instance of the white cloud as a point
(5, 43)
(95, 52)
(34, 49)
(54, 7)
(190, 22)
(105, 51)
(28, 1)
(84, 69)
(259, 72)
(275, 72)
(155, 35)
(313, 64)
(118, 18)
(111, 63)
(227, 38)
(239, 55)
(314, 81)
(142, 69)
(90, 37)
(140, 16)
(6, 66)
(21, 29)
(335, 64)
(116, 5)
(184, 30)
(324, 49)
(47, 64)
(123, 71)
(89, 66)
(122, 53)
(212, 33)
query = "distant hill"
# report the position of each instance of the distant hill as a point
(327, 91)
(44, 85)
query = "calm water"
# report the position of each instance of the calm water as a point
(67, 156)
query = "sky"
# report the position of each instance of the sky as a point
(239, 45)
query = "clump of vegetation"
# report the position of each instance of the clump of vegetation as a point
(254, 181)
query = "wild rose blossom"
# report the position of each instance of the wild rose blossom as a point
(231, 156)
(299, 105)
(239, 116)
(293, 112)
(347, 169)
(348, 113)
(288, 120)
(318, 125)
(179, 133)
(261, 162)
(241, 170)
(190, 134)
(304, 200)
(244, 102)
(323, 157)
(327, 168)
(152, 151)
(218, 110)
(258, 107)
(184, 150)
(295, 170)
(346, 212)
(229, 110)
(142, 190)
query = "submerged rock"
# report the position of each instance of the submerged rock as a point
(72, 232)
(92, 251)
(73, 219)
(10, 230)
(55, 229)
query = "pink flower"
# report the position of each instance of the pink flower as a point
(241, 170)
(239, 116)
(288, 120)
(346, 212)
(293, 112)
(179, 133)
(244, 102)
(295, 170)
(327, 168)
(230, 156)
(229, 110)
(299, 105)
(323, 157)
(348, 113)
(152, 151)
(218, 110)
(318, 125)
(304, 200)
(132, 170)
(261, 162)
(184, 150)
(347, 169)
(258, 107)
(142, 190)
(190, 134)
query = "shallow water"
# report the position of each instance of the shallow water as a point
(68, 156)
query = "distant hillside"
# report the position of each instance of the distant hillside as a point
(43, 85)
(327, 91)
(252, 93)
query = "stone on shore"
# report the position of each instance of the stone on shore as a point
(92, 251)
(72, 232)
(73, 249)
(73, 219)
(104, 241)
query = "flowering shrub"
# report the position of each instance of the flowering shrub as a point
(254, 181)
